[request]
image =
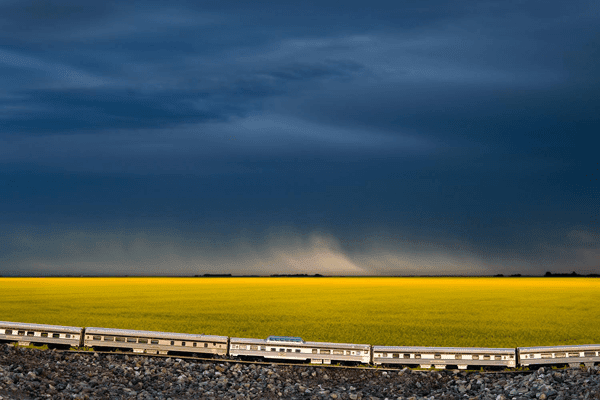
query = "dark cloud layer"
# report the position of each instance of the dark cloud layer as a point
(323, 137)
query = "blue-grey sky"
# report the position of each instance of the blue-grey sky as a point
(332, 137)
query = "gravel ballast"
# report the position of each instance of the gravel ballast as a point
(37, 374)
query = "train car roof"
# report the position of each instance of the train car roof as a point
(22, 325)
(153, 334)
(304, 343)
(559, 348)
(407, 349)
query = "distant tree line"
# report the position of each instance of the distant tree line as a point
(550, 275)
(572, 274)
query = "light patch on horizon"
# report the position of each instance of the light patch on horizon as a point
(322, 255)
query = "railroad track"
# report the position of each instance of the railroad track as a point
(299, 364)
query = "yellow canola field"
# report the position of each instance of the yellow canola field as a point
(482, 312)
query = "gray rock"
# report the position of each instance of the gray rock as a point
(32, 374)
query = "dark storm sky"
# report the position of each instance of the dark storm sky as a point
(332, 137)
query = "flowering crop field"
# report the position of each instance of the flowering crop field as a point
(482, 312)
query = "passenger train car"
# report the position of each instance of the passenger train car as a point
(572, 355)
(155, 342)
(440, 357)
(26, 334)
(294, 348)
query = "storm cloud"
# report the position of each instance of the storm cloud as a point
(316, 137)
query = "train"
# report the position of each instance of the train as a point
(295, 349)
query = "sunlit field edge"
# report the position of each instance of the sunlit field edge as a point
(482, 312)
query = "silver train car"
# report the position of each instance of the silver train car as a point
(155, 342)
(441, 357)
(26, 334)
(294, 348)
(587, 354)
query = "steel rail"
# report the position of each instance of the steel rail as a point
(299, 364)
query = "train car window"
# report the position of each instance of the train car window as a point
(325, 351)
(437, 356)
(144, 341)
(131, 340)
(282, 350)
(395, 355)
(338, 352)
(560, 355)
(254, 347)
(214, 344)
(573, 354)
(109, 338)
(589, 354)
(21, 333)
(458, 356)
(546, 355)
(205, 344)
(30, 333)
(263, 348)
(475, 357)
(289, 350)
(183, 343)
(417, 356)
(297, 350)
(9, 332)
(486, 356)
(172, 343)
(498, 357)
(119, 339)
(97, 337)
(273, 349)
(314, 351)
(407, 356)
(154, 341)
(195, 344)
(44, 334)
(56, 335)
(68, 336)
